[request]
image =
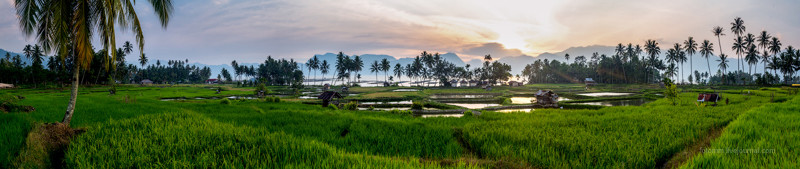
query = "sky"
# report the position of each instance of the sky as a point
(218, 31)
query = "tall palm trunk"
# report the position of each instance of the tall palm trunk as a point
(73, 97)
(709, 68)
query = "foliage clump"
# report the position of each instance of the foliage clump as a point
(671, 91)
(225, 101)
(418, 105)
(352, 105)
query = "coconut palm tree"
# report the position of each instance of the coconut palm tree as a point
(751, 57)
(691, 48)
(398, 71)
(652, 49)
(718, 31)
(385, 66)
(706, 50)
(142, 60)
(127, 47)
(763, 42)
(375, 67)
(738, 47)
(324, 68)
(723, 64)
(70, 26)
(738, 28)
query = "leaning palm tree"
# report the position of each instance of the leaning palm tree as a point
(69, 27)
(691, 48)
(718, 31)
(723, 64)
(706, 50)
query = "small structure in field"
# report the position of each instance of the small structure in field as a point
(547, 98)
(515, 83)
(709, 97)
(329, 96)
(146, 82)
(589, 82)
(212, 81)
(326, 87)
(6, 85)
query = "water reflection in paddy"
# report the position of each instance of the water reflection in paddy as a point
(604, 94)
(474, 105)
(391, 102)
(529, 100)
(633, 102)
(405, 90)
(461, 96)
(514, 110)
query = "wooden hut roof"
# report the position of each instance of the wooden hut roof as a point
(329, 95)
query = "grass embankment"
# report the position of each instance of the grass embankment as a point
(614, 137)
(765, 137)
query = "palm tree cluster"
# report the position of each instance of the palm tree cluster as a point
(752, 48)
(279, 72)
(627, 65)
(174, 72)
(345, 66)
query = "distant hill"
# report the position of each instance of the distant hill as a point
(25, 60)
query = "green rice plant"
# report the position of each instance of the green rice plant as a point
(417, 105)
(764, 137)
(352, 105)
(186, 140)
(225, 101)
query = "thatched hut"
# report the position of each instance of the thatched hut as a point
(547, 98)
(329, 96)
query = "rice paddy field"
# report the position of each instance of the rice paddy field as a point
(191, 126)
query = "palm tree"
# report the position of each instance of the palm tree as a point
(324, 68)
(718, 31)
(738, 47)
(385, 66)
(142, 60)
(691, 47)
(398, 71)
(723, 64)
(70, 26)
(775, 46)
(375, 67)
(652, 49)
(763, 42)
(751, 57)
(738, 28)
(127, 47)
(706, 50)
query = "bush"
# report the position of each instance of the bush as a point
(418, 105)
(371, 108)
(261, 87)
(507, 101)
(467, 113)
(225, 101)
(351, 106)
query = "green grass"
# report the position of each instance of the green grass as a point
(187, 140)
(765, 137)
(135, 129)
(613, 137)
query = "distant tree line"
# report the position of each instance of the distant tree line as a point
(271, 72)
(637, 64)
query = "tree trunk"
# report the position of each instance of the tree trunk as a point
(73, 98)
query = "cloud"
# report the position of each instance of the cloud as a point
(495, 49)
